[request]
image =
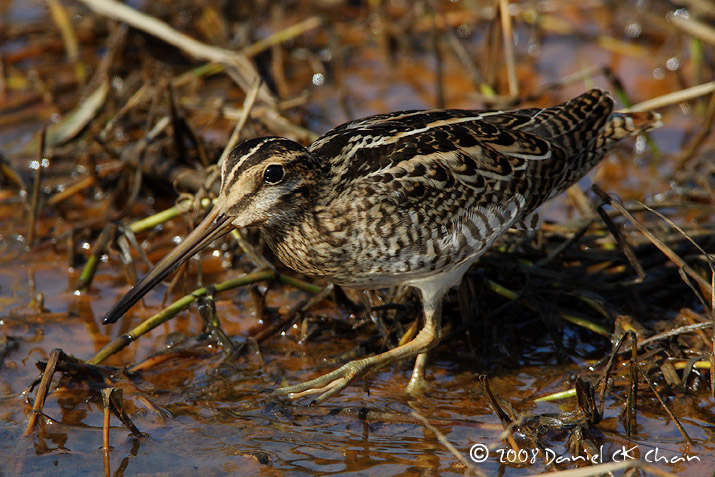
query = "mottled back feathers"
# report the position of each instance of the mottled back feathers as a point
(397, 198)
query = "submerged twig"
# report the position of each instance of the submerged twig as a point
(667, 409)
(441, 438)
(42, 390)
(609, 367)
(116, 405)
(104, 239)
(39, 165)
(105, 428)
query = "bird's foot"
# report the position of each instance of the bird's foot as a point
(331, 383)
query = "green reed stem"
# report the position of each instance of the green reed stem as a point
(184, 302)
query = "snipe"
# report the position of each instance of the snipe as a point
(412, 198)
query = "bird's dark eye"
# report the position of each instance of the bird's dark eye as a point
(273, 174)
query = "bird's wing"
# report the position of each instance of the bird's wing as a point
(441, 185)
(443, 188)
(464, 177)
(448, 135)
(486, 151)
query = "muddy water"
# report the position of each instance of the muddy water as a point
(200, 416)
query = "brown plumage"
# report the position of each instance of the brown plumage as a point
(411, 198)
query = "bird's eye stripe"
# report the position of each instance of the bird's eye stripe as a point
(258, 150)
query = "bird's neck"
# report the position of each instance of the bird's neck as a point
(304, 243)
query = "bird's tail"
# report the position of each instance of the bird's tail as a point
(622, 125)
(606, 130)
(618, 126)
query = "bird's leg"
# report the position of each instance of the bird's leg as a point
(433, 319)
(332, 383)
(417, 380)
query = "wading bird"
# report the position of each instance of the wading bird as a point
(406, 198)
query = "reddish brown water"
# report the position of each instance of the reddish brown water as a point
(202, 418)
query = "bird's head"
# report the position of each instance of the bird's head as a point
(264, 181)
(267, 181)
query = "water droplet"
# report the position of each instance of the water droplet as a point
(658, 73)
(534, 49)
(375, 24)
(325, 55)
(640, 144)
(464, 31)
(318, 79)
(672, 64)
(118, 84)
(185, 16)
(633, 30)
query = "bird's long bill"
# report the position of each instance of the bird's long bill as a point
(214, 226)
